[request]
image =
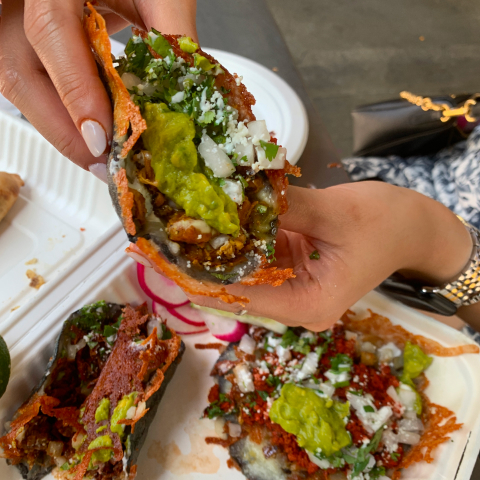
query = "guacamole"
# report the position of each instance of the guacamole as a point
(169, 137)
(316, 422)
(414, 363)
(103, 410)
(120, 413)
(104, 454)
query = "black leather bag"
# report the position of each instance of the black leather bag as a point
(417, 126)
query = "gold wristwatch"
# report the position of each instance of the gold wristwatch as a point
(447, 298)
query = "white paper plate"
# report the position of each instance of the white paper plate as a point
(277, 103)
(175, 445)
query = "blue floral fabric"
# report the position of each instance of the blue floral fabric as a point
(451, 176)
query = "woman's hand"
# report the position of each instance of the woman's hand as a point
(363, 232)
(49, 73)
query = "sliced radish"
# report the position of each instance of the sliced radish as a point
(224, 328)
(174, 322)
(159, 288)
(189, 315)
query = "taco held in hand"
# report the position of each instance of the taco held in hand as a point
(197, 181)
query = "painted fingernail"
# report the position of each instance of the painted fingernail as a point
(95, 137)
(99, 170)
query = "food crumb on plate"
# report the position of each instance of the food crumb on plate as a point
(33, 261)
(36, 280)
(82, 229)
(15, 308)
(275, 69)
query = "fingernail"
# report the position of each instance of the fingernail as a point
(100, 171)
(95, 137)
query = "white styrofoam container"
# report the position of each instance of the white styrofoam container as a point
(61, 215)
(175, 444)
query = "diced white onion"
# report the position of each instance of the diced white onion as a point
(392, 393)
(234, 190)
(244, 378)
(410, 438)
(218, 241)
(130, 80)
(372, 421)
(350, 335)
(131, 412)
(390, 441)
(77, 440)
(215, 158)
(275, 164)
(73, 349)
(178, 97)
(411, 424)
(273, 341)
(258, 131)
(283, 354)
(337, 377)
(152, 323)
(247, 344)
(368, 347)
(245, 151)
(388, 352)
(324, 464)
(234, 429)
(407, 396)
(59, 461)
(55, 449)
(309, 366)
(219, 424)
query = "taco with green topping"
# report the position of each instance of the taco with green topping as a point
(89, 416)
(196, 179)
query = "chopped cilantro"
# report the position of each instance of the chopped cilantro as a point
(341, 363)
(208, 117)
(289, 338)
(270, 253)
(158, 42)
(328, 339)
(214, 411)
(219, 139)
(242, 181)
(224, 90)
(395, 456)
(223, 276)
(368, 409)
(377, 472)
(263, 394)
(273, 381)
(346, 383)
(221, 182)
(315, 255)
(358, 393)
(271, 150)
(166, 333)
(244, 159)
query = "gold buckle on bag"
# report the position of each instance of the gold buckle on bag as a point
(447, 112)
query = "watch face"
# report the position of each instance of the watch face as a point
(412, 295)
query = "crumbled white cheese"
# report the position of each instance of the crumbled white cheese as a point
(371, 420)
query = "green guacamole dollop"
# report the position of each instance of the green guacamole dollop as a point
(169, 138)
(104, 454)
(415, 361)
(103, 410)
(316, 422)
(187, 44)
(120, 413)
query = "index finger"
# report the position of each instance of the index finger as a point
(55, 31)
